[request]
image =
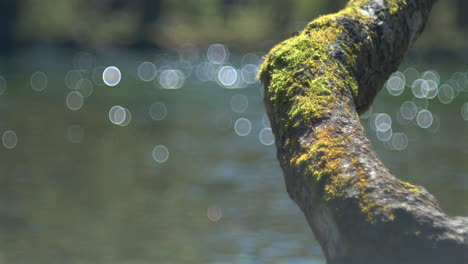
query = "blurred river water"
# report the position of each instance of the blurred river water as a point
(119, 157)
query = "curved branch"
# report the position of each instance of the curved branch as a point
(316, 83)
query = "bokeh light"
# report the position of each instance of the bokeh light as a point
(72, 78)
(464, 111)
(117, 115)
(128, 117)
(431, 76)
(39, 81)
(160, 154)
(214, 213)
(446, 94)
(74, 100)
(172, 79)
(85, 87)
(384, 135)
(158, 111)
(408, 110)
(242, 127)
(206, 71)
(227, 75)
(429, 89)
(239, 84)
(417, 89)
(239, 103)
(400, 75)
(383, 122)
(147, 71)
(195, 126)
(266, 136)
(395, 85)
(217, 54)
(399, 141)
(424, 118)
(111, 76)
(9, 139)
(249, 73)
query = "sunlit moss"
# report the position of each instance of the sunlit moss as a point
(323, 160)
(293, 64)
(312, 53)
(303, 76)
(396, 6)
(410, 187)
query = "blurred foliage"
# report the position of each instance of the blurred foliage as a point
(171, 23)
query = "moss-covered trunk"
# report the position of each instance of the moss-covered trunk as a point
(316, 83)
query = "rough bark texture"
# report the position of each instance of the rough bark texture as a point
(316, 83)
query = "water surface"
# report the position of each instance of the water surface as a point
(184, 170)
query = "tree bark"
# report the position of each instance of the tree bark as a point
(316, 83)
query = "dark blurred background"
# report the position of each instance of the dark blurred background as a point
(168, 23)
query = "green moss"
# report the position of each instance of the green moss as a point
(292, 66)
(322, 162)
(301, 77)
(294, 62)
(410, 187)
(395, 6)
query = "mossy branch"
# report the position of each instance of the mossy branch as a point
(316, 83)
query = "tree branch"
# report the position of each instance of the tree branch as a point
(316, 83)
